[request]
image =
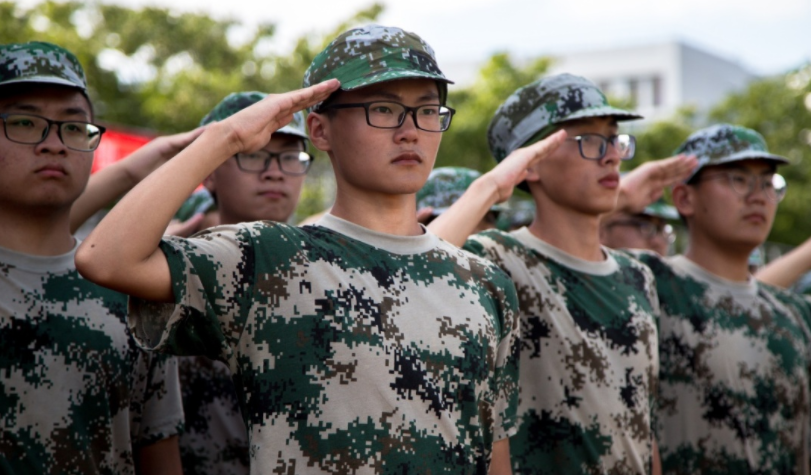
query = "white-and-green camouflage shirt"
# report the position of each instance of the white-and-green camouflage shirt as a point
(352, 351)
(734, 376)
(589, 357)
(77, 395)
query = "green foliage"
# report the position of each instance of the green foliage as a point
(780, 109)
(465, 143)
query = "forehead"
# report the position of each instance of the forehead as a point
(402, 88)
(52, 101)
(284, 141)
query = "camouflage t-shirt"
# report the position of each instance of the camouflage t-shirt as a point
(734, 374)
(352, 351)
(589, 357)
(215, 441)
(77, 393)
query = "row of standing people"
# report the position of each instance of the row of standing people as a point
(367, 344)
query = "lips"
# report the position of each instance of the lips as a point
(408, 158)
(51, 170)
(273, 194)
(612, 180)
(756, 218)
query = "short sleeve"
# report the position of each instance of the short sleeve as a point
(507, 358)
(212, 279)
(156, 410)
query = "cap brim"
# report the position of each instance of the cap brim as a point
(43, 80)
(605, 111)
(665, 212)
(291, 131)
(391, 75)
(742, 156)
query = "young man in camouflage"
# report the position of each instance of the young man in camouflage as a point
(78, 395)
(247, 187)
(589, 350)
(734, 378)
(362, 344)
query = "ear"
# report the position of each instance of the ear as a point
(684, 198)
(319, 126)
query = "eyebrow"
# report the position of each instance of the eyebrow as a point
(397, 97)
(32, 108)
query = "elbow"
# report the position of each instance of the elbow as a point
(91, 265)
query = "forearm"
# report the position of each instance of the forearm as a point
(500, 460)
(160, 458)
(459, 221)
(786, 270)
(104, 186)
(122, 250)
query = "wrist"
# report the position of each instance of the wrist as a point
(487, 189)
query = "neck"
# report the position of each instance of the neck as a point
(36, 232)
(573, 232)
(721, 259)
(384, 213)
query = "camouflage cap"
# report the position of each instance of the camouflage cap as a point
(236, 101)
(444, 186)
(660, 209)
(726, 143)
(372, 54)
(532, 112)
(40, 62)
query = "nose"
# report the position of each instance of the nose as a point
(408, 131)
(52, 143)
(273, 171)
(612, 155)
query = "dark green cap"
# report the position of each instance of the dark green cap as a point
(237, 101)
(40, 62)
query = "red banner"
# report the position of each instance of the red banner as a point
(116, 145)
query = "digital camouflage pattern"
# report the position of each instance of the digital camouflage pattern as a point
(77, 395)
(215, 441)
(352, 351)
(371, 54)
(533, 111)
(589, 357)
(734, 375)
(725, 143)
(444, 186)
(40, 62)
(236, 101)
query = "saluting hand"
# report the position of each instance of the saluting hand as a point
(647, 182)
(250, 129)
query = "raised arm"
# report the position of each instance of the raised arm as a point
(646, 183)
(123, 252)
(786, 270)
(495, 186)
(113, 181)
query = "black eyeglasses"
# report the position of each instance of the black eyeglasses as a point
(33, 129)
(595, 146)
(773, 185)
(648, 229)
(291, 162)
(391, 115)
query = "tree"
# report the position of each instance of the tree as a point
(465, 143)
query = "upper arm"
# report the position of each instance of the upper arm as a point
(150, 279)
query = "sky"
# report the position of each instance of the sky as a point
(765, 37)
